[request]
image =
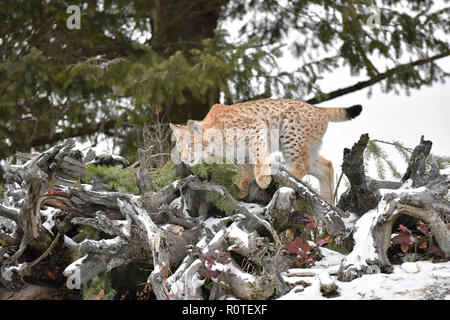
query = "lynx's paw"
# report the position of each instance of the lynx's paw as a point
(263, 175)
(263, 181)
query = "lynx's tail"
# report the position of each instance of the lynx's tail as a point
(343, 114)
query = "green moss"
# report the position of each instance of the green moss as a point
(116, 178)
(88, 232)
(303, 206)
(76, 254)
(335, 247)
(2, 191)
(221, 174)
(93, 287)
(164, 176)
(221, 202)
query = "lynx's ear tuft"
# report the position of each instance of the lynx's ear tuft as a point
(175, 128)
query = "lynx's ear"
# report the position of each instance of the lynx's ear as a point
(194, 126)
(175, 128)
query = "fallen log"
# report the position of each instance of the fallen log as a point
(372, 234)
(191, 249)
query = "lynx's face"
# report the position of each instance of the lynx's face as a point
(188, 143)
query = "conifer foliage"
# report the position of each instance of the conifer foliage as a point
(130, 58)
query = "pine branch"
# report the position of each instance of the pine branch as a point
(377, 78)
(87, 129)
(442, 161)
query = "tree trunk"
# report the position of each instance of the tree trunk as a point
(426, 202)
(182, 25)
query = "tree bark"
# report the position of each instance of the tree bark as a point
(192, 249)
(372, 234)
(361, 197)
(182, 25)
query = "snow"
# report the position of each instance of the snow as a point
(253, 208)
(405, 188)
(333, 259)
(237, 236)
(216, 239)
(410, 267)
(74, 266)
(364, 249)
(8, 272)
(244, 276)
(428, 281)
(286, 190)
(49, 218)
(218, 267)
(349, 222)
(213, 223)
(86, 187)
(410, 280)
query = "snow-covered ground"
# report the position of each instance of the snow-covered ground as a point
(409, 281)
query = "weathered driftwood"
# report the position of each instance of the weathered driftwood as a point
(159, 229)
(30, 180)
(175, 232)
(360, 198)
(144, 181)
(325, 212)
(373, 231)
(417, 167)
(107, 159)
(310, 272)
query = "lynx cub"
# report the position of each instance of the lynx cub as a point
(249, 133)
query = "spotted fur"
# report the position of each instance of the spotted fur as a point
(298, 126)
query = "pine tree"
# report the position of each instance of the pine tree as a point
(384, 163)
(132, 58)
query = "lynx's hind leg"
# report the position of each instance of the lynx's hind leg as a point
(296, 157)
(298, 168)
(322, 169)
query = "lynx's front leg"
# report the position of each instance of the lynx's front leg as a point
(261, 156)
(245, 179)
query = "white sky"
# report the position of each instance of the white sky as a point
(390, 117)
(385, 116)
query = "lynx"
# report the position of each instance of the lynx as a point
(251, 133)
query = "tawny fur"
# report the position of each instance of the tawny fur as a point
(299, 126)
